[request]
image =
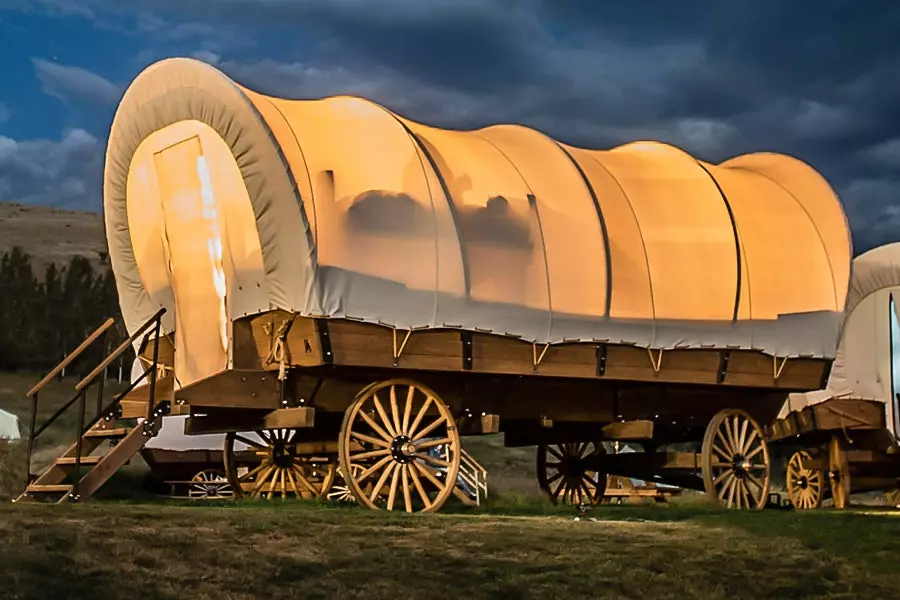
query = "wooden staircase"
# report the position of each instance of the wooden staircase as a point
(109, 438)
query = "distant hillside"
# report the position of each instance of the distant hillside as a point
(52, 234)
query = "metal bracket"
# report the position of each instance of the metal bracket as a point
(723, 366)
(601, 360)
(325, 341)
(778, 368)
(466, 337)
(398, 349)
(655, 361)
(537, 358)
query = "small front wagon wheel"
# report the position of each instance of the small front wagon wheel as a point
(735, 461)
(388, 446)
(805, 485)
(274, 467)
(566, 475)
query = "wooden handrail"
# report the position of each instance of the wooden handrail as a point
(118, 351)
(70, 357)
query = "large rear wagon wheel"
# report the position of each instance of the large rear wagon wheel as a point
(564, 475)
(274, 468)
(805, 486)
(735, 461)
(384, 447)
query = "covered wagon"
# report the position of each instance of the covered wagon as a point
(343, 280)
(845, 435)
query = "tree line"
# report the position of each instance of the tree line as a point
(43, 319)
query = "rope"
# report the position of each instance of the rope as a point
(278, 349)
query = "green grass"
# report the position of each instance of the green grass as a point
(240, 550)
(124, 544)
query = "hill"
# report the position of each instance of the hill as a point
(52, 234)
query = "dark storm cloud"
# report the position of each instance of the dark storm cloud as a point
(819, 80)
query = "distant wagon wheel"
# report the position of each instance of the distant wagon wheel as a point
(735, 461)
(564, 473)
(388, 432)
(210, 483)
(340, 491)
(275, 468)
(805, 485)
(838, 473)
(892, 498)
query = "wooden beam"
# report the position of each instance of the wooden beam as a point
(628, 430)
(242, 420)
(233, 389)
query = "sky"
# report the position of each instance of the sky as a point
(819, 80)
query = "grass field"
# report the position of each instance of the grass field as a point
(126, 544)
(297, 550)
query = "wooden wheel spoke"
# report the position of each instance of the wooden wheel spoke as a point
(555, 477)
(751, 455)
(556, 453)
(420, 415)
(749, 443)
(743, 434)
(432, 443)
(407, 410)
(407, 497)
(431, 427)
(373, 454)
(562, 485)
(395, 480)
(389, 427)
(293, 481)
(381, 481)
(721, 452)
(369, 439)
(378, 465)
(306, 483)
(249, 474)
(432, 459)
(721, 476)
(418, 485)
(376, 427)
(395, 411)
(429, 475)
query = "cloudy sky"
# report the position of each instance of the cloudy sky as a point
(816, 79)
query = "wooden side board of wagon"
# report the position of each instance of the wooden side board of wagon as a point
(842, 446)
(387, 408)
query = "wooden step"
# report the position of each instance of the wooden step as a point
(85, 460)
(107, 433)
(48, 489)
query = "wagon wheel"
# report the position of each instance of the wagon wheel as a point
(838, 473)
(276, 469)
(564, 476)
(210, 483)
(806, 486)
(387, 431)
(735, 461)
(340, 491)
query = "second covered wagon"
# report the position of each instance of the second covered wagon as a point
(343, 280)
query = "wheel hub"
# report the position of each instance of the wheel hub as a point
(803, 482)
(403, 449)
(282, 456)
(740, 465)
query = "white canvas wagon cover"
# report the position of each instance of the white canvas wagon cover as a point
(867, 362)
(221, 202)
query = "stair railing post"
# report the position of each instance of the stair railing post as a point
(151, 399)
(105, 345)
(31, 436)
(82, 407)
